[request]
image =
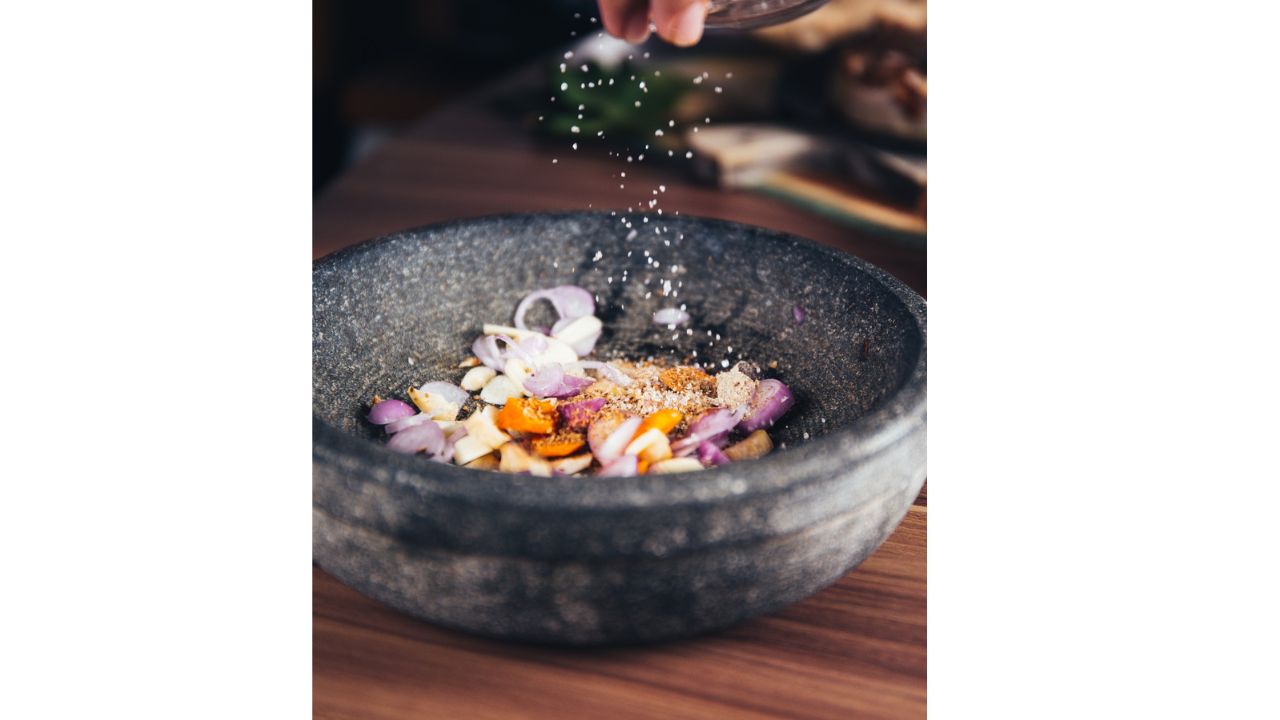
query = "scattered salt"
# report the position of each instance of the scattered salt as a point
(719, 89)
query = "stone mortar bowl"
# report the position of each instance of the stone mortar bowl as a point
(581, 560)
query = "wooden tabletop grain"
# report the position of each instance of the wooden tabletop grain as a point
(854, 650)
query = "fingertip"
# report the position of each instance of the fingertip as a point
(685, 28)
(637, 26)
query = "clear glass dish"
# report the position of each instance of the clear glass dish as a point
(745, 14)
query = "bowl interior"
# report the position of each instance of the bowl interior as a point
(405, 309)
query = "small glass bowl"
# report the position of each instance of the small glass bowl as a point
(746, 14)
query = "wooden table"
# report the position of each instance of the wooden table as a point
(854, 650)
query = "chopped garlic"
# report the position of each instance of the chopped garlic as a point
(435, 406)
(572, 464)
(518, 371)
(497, 390)
(484, 462)
(483, 427)
(476, 378)
(558, 351)
(514, 458)
(468, 448)
(651, 445)
(675, 465)
(578, 330)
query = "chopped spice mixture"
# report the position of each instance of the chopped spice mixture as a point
(538, 411)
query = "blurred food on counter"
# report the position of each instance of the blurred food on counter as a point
(827, 111)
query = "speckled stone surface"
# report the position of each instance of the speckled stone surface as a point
(581, 560)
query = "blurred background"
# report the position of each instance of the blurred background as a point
(825, 113)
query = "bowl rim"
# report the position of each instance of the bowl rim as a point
(897, 415)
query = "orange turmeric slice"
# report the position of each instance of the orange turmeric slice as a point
(664, 420)
(528, 415)
(560, 444)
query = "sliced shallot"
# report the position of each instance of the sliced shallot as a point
(612, 373)
(771, 400)
(570, 301)
(389, 411)
(713, 426)
(550, 381)
(625, 466)
(611, 447)
(710, 455)
(426, 436)
(578, 415)
(406, 423)
(448, 391)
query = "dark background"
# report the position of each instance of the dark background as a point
(379, 65)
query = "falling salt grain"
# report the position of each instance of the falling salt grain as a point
(697, 80)
(563, 67)
(658, 133)
(568, 55)
(689, 154)
(719, 89)
(574, 130)
(575, 146)
(564, 86)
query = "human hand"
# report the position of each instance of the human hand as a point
(679, 22)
